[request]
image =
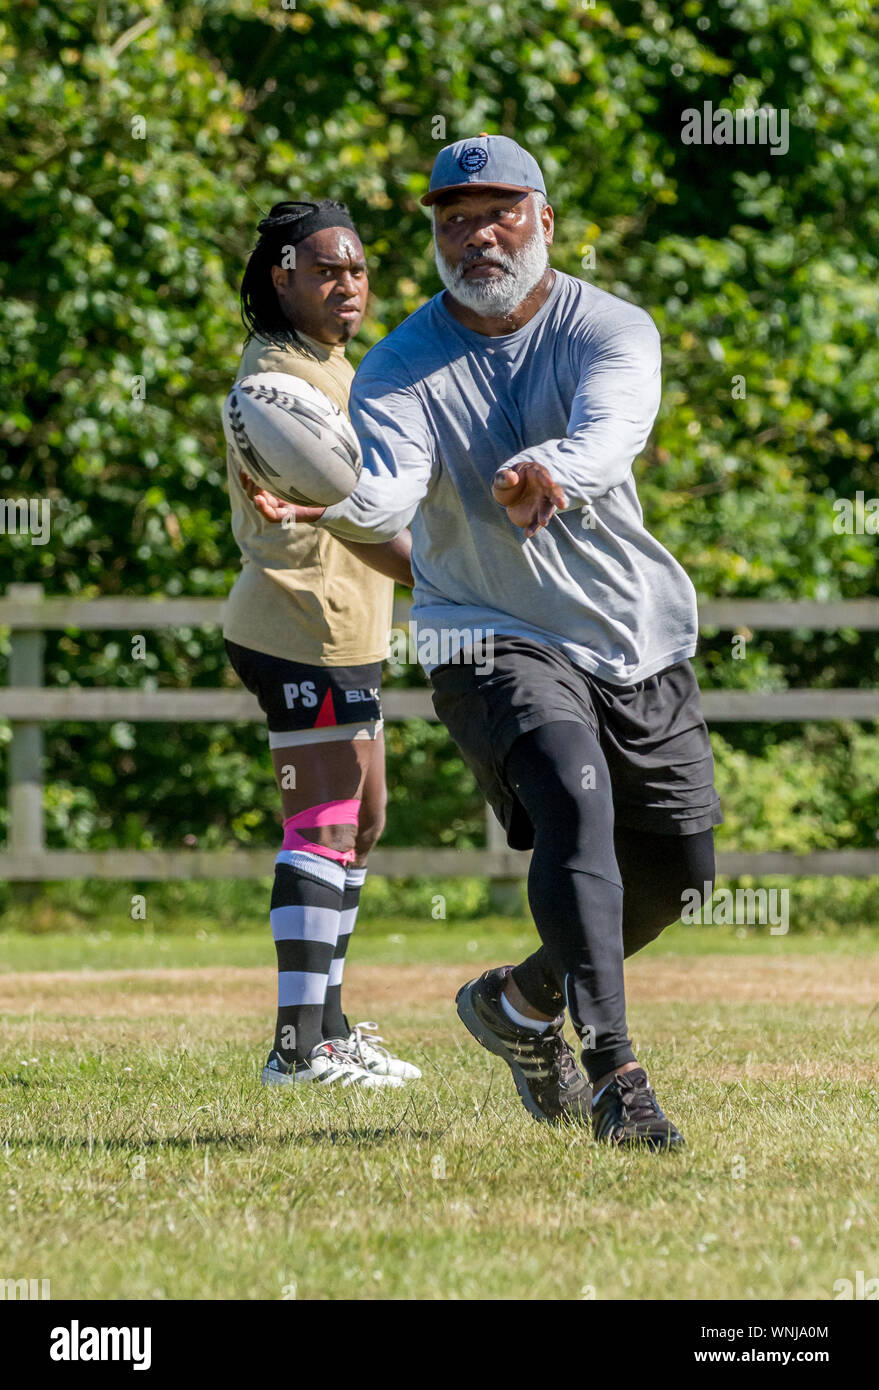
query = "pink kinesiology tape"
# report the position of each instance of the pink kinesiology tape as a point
(327, 813)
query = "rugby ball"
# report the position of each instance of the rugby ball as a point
(291, 439)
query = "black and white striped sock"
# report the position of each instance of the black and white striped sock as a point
(335, 1024)
(305, 916)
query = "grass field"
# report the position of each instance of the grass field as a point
(141, 1158)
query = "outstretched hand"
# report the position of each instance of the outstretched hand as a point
(529, 495)
(273, 508)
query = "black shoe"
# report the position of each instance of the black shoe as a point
(627, 1113)
(549, 1082)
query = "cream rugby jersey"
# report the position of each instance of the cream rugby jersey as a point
(301, 594)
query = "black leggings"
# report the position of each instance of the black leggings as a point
(597, 894)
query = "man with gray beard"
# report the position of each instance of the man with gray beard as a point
(502, 420)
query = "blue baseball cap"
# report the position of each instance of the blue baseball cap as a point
(489, 161)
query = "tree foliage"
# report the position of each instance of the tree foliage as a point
(142, 144)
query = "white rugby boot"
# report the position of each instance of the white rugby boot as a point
(328, 1064)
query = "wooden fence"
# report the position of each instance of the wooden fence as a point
(28, 704)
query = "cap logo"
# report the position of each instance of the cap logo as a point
(473, 159)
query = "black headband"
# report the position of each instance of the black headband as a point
(300, 220)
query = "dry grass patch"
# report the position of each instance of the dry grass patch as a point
(371, 988)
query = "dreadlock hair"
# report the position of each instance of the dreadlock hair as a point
(260, 308)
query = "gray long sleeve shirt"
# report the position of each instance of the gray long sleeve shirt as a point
(439, 408)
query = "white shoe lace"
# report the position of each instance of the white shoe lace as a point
(368, 1049)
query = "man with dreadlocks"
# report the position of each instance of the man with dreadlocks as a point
(306, 629)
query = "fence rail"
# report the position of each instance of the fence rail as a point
(28, 704)
(24, 610)
(37, 704)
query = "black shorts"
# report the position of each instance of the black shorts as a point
(311, 704)
(652, 734)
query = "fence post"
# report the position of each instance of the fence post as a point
(26, 828)
(504, 894)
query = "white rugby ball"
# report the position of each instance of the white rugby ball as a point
(291, 439)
